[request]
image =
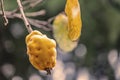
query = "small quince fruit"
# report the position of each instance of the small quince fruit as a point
(41, 51)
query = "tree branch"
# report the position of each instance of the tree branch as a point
(28, 26)
(34, 14)
(45, 25)
(41, 24)
(35, 3)
(28, 4)
(3, 13)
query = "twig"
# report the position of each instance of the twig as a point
(28, 4)
(45, 25)
(51, 19)
(40, 24)
(35, 3)
(24, 17)
(30, 14)
(34, 14)
(3, 13)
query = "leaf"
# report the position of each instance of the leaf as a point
(61, 34)
(72, 10)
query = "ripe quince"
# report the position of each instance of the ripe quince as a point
(41, 51)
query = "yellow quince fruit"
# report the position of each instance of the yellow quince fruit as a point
(60, 25)
(72, 10)
(41, 51)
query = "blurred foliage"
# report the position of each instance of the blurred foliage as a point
(100, 34)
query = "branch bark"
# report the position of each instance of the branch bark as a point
(45, 25)
(28, 4)
(3, 13)
(27, 17)
(34, 14)
(28, 26)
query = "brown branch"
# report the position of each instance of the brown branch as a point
(32, 4)
(40, 24)
(35, 3)
(28, 26)
(28, 4)
(51, 19)
(3, 13)
(34, 14)
(45, 25)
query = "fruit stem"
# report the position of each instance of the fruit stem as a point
(48, 70)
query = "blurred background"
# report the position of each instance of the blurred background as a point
(95, 58)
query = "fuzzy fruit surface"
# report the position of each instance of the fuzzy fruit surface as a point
(72, 10)
(41, 50)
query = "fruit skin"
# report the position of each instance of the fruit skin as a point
(72, 10)
(60, 33)
(41, 51)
